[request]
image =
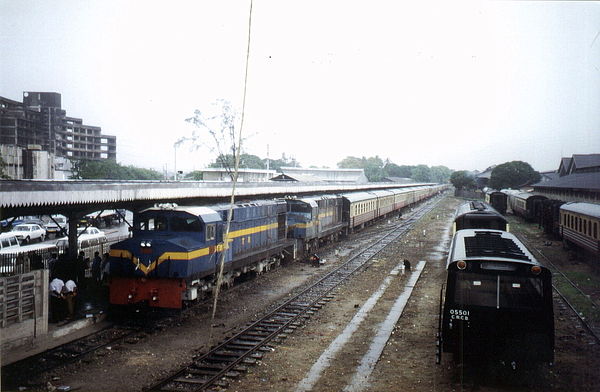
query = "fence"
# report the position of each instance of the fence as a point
(24, 261)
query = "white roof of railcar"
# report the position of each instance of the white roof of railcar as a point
(458, 250)
(382, 192)
(358, 196)
(589, 209)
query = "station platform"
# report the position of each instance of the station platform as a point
(90, 316)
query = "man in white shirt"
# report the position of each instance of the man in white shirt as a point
(57, 305)
(69, 292)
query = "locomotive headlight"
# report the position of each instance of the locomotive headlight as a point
(142, 244)
(536, 270)
(461, 264)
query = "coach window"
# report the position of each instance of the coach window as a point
(584, 226)
(596, 230)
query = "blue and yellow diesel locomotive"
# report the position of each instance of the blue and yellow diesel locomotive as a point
(175, 251)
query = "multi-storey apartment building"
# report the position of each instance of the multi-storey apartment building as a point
(38, 131)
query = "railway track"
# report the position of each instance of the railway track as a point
(230, 358)
(576, 294)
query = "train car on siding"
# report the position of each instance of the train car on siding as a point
(497, 305)
(527, 205)
(498, 200)
(580, 225)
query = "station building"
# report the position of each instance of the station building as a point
(577, 179)
(38, 139)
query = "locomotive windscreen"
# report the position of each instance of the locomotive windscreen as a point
(500, 291)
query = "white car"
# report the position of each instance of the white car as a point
(88, 240)
(8, 243)
(26, 232)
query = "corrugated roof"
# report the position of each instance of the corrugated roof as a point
(581, 161)
(588, 181)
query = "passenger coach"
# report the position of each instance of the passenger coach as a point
(497, 305)
(580, 225)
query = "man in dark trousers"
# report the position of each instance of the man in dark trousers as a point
(406, 265)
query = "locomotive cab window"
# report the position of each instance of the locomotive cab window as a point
(210, 232)
(153, 223)
(499, 291)
(189, 224)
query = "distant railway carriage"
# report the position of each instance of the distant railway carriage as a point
(498, 200)
(385, 202)
(498, 302)
(478, 215)
(551, 216)
(580, 225)
(527, 205)
(359, 208)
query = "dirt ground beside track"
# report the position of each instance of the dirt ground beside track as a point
(407, 362)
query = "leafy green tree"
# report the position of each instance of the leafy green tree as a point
(108, 169)
(420, 173)
(393, 170)
(439, 174)
(352, 163)
(195, 175)
(462, 180)
(513, 174)
(247, 161)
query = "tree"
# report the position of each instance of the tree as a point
(219, 124)
(513, 174)
(462, 180)
(247, 161)
(393, 170)
(352, 163)
(3, 175)
(420, 173)
(107, 169)
(439, 174)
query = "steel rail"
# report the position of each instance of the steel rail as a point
(560, 294)
(226, 360)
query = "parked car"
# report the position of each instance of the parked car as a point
(26, 232)
(8, 243)
(89, 240)
(57, 225)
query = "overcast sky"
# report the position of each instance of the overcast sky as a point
(461, 84)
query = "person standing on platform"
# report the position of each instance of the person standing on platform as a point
(57, 304)
(69, 293)
(97, 269)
